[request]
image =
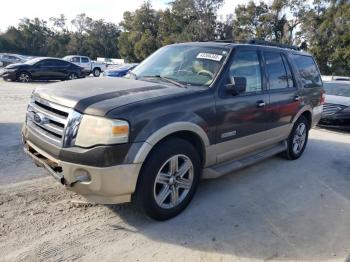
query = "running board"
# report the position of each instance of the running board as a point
(228, 167)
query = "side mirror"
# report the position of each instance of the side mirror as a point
(237, 86)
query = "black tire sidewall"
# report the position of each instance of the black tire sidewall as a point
(158, 156)
(290, 152)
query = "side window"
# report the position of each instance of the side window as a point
(46, 63)
(246, 64)
(75, 59)
(84, 60)
(290, 78)
(60, 63)
(308, 71)
(276, 70)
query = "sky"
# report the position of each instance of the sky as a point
(110, 10)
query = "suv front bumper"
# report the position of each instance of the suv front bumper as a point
(102, 185)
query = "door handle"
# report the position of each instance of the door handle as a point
(296, 98)
(260, 103)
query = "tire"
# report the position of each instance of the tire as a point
(24, 77)
(297, 139)
(159, 184)
(72, 76)
(96, 72)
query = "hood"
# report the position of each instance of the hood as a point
(14, 66)
(338, 100)
(97, 96)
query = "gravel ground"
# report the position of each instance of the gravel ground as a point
(275, 210)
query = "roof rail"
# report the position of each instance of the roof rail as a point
(255, 41)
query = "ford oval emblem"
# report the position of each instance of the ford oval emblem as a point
(40, 119)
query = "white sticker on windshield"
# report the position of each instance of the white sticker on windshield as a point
(209, 56)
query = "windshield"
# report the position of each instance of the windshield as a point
(186, 64)
(33, 61)
(337, 89)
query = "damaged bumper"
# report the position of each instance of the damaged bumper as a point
(103, 185)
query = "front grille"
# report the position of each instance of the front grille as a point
(331, 109)
(48, 120)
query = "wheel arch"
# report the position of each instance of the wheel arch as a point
(190, 132)
(306, 111)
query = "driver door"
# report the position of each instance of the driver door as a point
(241, 118)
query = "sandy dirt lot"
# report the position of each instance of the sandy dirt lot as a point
(275, 210)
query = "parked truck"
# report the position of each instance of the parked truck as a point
(89, 66)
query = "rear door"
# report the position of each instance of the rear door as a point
(283, 92)
(60, 69)
(241, 119)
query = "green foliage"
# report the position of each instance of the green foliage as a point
(35, 37)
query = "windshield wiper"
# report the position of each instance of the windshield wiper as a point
(167, 79)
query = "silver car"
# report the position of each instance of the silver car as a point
(7, 59)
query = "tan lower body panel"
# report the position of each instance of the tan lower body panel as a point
(103, 185)
(241, 146)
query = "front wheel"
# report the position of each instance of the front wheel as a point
(96, 72)
(168, 179)
(297, 139)
(24, 77)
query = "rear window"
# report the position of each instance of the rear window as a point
(308, 71)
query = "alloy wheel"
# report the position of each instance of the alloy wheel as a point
(24, 78)
(173, 181)
(72, 77)
(299, 138)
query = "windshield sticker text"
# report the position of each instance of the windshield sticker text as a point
(209, 56)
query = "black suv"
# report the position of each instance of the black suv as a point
(189, 111)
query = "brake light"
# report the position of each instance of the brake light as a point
(323, 97)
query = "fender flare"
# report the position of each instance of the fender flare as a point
(166, 131)
(301, 111)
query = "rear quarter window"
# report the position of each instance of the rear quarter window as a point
(308, 71)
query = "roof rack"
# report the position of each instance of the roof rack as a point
(256, 41)
(267, 43)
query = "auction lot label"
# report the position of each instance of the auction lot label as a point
(209, 56)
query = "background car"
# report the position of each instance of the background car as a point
(119, 71)
(87, 64)
(43, 69)
(8, 59)
(336, 110)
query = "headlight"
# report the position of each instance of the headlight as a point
(95, 130)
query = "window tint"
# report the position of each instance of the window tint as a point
(48, 62)
(276, 70)
(308, 71)
(246, 64)
(60, 63)
(75, 59)
(290, 78)
(84, 60)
